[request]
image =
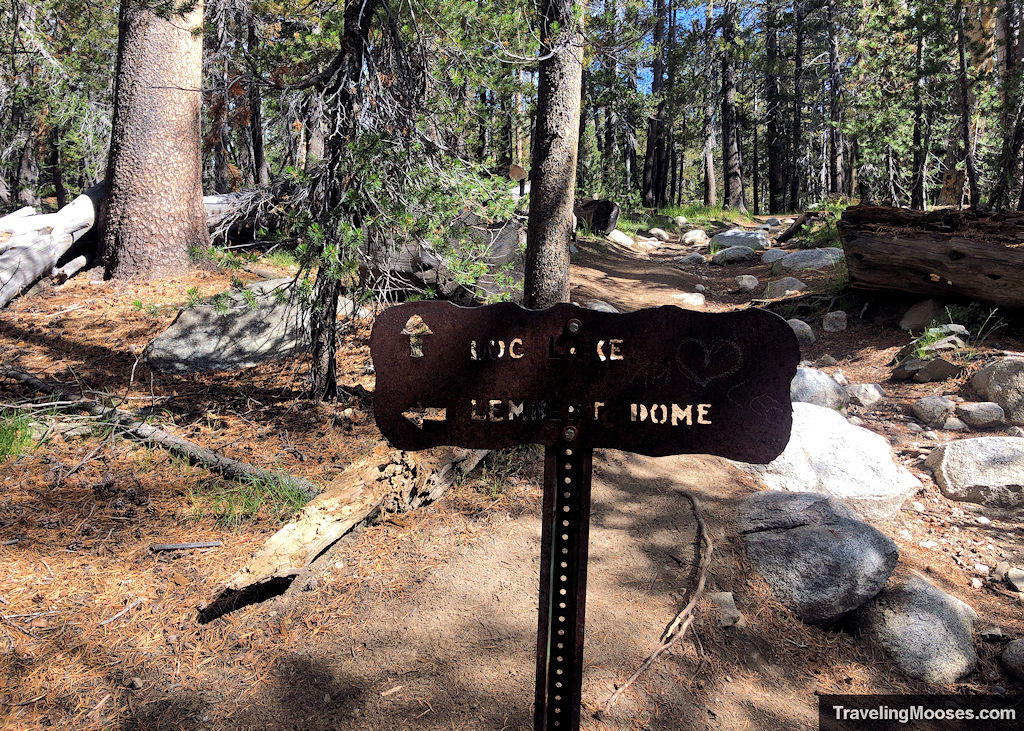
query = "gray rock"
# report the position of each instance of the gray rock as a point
(773, 255)
(865, 394)
(263, 322)
(933, 410)
(755, 240)
(700, 288)
(725, 605)
(599, 306)
(773, 221)
(826, 454)
(804, 334)
(621, 237)
(780, 287)
(746, 283)
(834, 322)
(1012, 659)
(947, 344)
(788, 221)
(983, 415)
(907, 368)
(840, 377)
(954, 424)
(925, 631)
(694, 237)
(660, 234)
(936, 369)
(692, 299)
(817, 557)
(732, 255)
(949, 328)
(1015, 578)
(922, 314)
(692, 259)
(1003, 382)
(827, 360)
(812, 386)
(764, 227)
(680, 221)
(814, 259)
(985, 470)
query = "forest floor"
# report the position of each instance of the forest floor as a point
(425, 619)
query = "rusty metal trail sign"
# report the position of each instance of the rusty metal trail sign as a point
(657, 382)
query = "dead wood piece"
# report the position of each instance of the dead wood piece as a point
(158, 437)
(184, 546)
(805, 218)
(948, 254)
(388, 478)
(59, 275)
(123, 612)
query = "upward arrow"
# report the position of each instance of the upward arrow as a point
(416, 329)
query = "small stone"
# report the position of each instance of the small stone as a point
(928, 544)
(700, 288)
(933, 410)
(599, 306)
(954, 424)
(773, 221)
(804, 334)
(907, 368)
(991, 634)
(917, 506)
(816, 387)
(733, 254)
(982, 520)
(755, 240)
(171, 639)
(982, 569)
(621, 237)
(692, 259)
(1013, 659)
(929, 434)
(694, 237)
(135, 683)
(984, 415)
(1015, 431)
(865, 394)
(1015, 578)
(680, 221)
(977, 583)
(827, 360)
(914, 427)
(1000, 571)
(746, 283)
(922, 314)
(834, 322)
(773, 255)
(692, 299)
(660, 234)
(840, 377)
(728, 614)
(937, 369)
(784, 286)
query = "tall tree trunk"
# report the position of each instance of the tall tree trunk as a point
(549, 224)
(966, 104)
(1012, 115)
(261, 170)
(773, 114)
(343, 93)
(755, 160)
(655, 124)
(57, 168)
(610, 116)
(731, 165)
(835, 132)
(917, 183)
(796, 143)
(153, 213)
(708, 154)
(582, 159)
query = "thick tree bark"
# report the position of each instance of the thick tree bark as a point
(796, 144)
(917, 183)
(261, 170)
(835, 132)
(656, 123)
(553, 181)
(1012, 115)
(945, 253)
(731, 166)
(153, 214)
(708, 154)
(773, 114)
(966, 104)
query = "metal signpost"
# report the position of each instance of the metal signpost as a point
(657, 382)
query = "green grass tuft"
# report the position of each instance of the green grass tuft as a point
(233, 504)
(15, 434)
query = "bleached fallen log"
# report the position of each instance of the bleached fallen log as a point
(6, 221)
(31, 246)
(62, 274)
(394, 479)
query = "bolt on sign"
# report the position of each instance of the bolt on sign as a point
(656, 382)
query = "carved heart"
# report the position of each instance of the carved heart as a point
(705, 362)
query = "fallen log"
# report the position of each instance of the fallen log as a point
(31, 246)
(946, 253)
(157, 437)
(389, 478)
(802, 220)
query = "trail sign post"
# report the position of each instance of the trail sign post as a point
(657, 382)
